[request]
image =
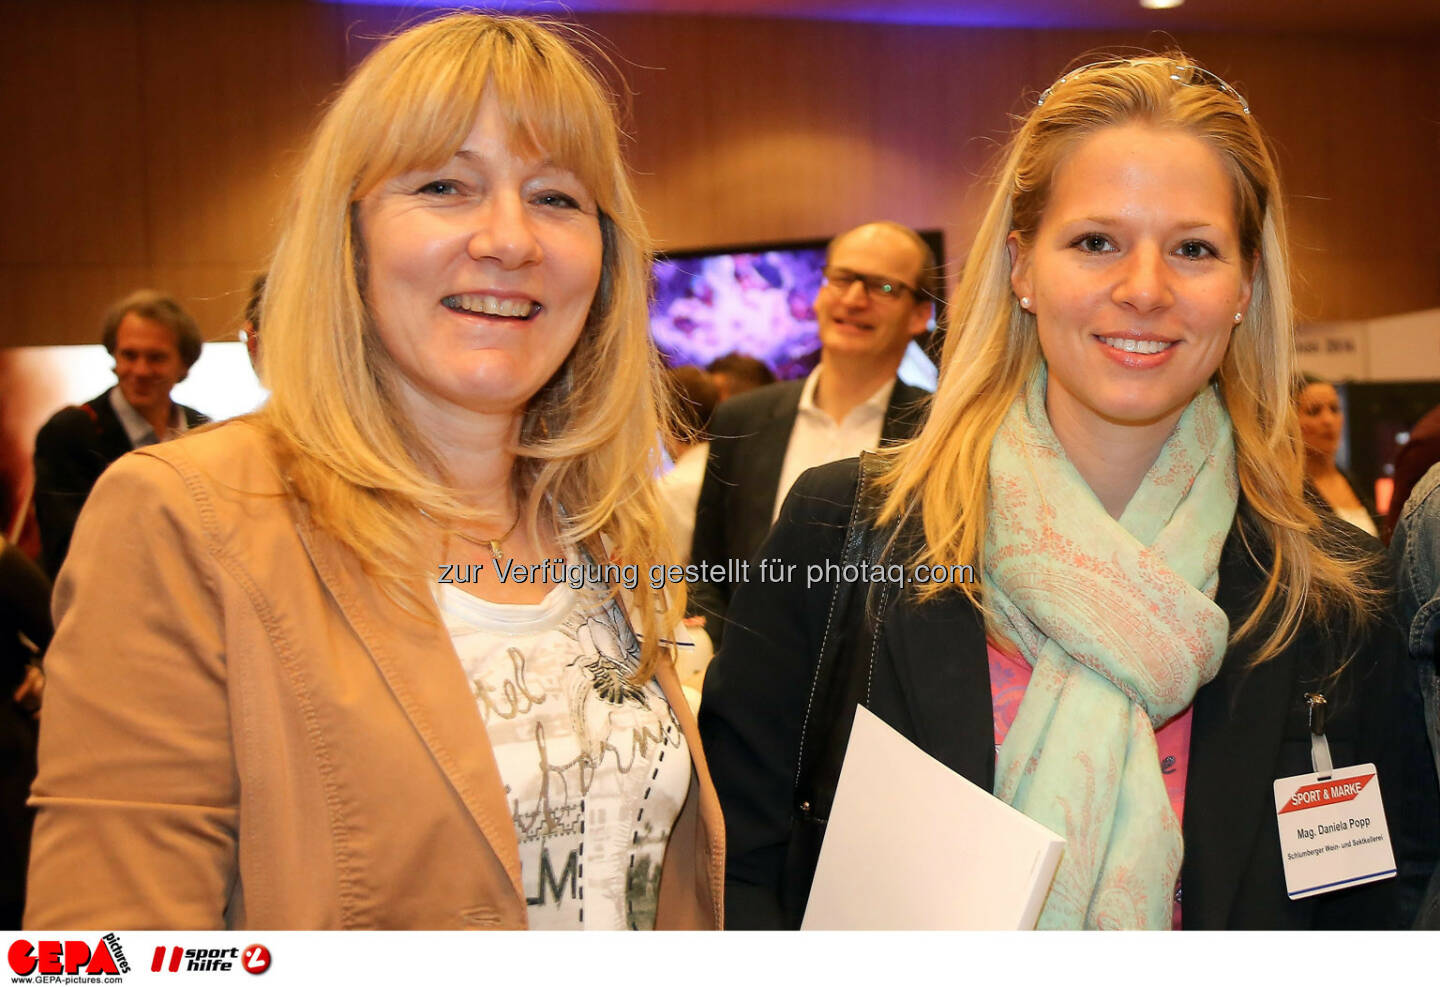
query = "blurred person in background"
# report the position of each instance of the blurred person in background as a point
(155, 342)
(1322, 425)
(351, 716)
(876, 297)
(251, 328)
(1415, 553)
(25, 632)
(1413, 461)
(695, 398)
(736, 373)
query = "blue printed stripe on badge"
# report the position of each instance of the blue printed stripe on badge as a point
(1349, 880)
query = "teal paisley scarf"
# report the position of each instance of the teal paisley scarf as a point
(1119, 623)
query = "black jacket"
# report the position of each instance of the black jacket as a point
(72, 449)
(930, 681)
(750, 434)
(24, 610)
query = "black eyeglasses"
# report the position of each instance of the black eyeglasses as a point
(841, 278)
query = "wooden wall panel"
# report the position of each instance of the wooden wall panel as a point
(72, 210)
(151, 141)
(72, 186)
(232, 91)
(669, 118)
(1357, 152)
(48, 304)
(791, 112)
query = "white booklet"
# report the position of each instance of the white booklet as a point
(912, 845)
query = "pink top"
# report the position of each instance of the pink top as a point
(1010, 674)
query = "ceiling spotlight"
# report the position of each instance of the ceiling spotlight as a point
(1160, 4)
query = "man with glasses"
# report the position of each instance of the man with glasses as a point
(876, 298)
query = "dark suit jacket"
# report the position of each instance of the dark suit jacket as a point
(930, 680)
(72, 449)
(750, 434)
(24, 609)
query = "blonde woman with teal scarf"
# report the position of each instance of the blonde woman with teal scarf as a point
(1113, 449)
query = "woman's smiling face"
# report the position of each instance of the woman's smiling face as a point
(481, 272)
(1135, 276)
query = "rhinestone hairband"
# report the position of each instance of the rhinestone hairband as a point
(1175, 74)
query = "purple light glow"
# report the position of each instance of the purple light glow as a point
(946, 13)
(759, 303)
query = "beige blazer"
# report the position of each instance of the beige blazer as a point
(241, 729)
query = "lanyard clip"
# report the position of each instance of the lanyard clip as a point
(1319, 746)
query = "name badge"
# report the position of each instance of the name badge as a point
(1333, 832)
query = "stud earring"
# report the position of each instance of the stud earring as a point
(1238, 317)
(1025, 302)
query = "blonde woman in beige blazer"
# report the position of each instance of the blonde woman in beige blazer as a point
(264, 710)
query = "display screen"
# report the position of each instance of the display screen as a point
(758, 300)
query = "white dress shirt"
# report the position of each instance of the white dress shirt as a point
(137, 429)
(817, 438)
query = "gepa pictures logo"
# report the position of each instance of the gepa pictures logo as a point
(48, 958)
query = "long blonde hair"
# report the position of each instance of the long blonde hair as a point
(992, 346)
(588, 438)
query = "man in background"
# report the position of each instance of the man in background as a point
(155, 342)
(736, 373)
(876, 298)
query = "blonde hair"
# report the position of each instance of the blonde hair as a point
(992, 347)
(588, 439)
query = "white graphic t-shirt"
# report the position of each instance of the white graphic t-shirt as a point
(595, 768)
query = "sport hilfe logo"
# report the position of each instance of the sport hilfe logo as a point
(255, 958)
(196, 960)
(1332, 792)
(72, 956)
